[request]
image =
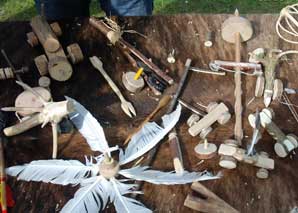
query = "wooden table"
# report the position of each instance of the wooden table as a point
(184, 33)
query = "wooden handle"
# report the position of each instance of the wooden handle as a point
(34, 121)
(96, 62)
(238, 131)
(176, 152)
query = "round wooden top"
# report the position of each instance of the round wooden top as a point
(131, 84)
(109, 169)
(44, 81)
(27, 99)
(51, 45)
(262, 173)
(236, 24)
(280, 150)
(228, 162)
(205, 153)
(60, 69)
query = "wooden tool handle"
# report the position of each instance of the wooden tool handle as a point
(96, 62)
(238, 131)
(33, 121)
(176, 152)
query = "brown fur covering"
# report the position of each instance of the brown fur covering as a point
(185, 33)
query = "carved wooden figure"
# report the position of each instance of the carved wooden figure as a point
(216, 113)
(55, 62)
(230, 149)
(284, 143)
(50, 111)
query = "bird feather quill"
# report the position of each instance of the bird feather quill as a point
(148, 137)
(165, 178)
(53, 171)
(89, 127)
(93, 196)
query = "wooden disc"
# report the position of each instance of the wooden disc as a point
(41, 62)
(262, 173)
(236, 24)
(294, 139)
(75, 53)
(27, 99)
(205, 153)
(56, 28)
(228, 162)
(280, 150)
(44, 82)
(51, 45)
(231, 142)
(193, 119)
(277, 89)
(60, 69)
(131, 84)
(260, 85)
(224, 118)
(32, 39)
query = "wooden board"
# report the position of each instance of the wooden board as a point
(240, 188)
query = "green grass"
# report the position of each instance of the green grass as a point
(24, 9)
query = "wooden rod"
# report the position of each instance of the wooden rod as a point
(238, 131)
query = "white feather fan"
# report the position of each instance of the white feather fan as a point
(89, 127)
(147, 138)
(165, 178)
(93, 196)
(53, 171)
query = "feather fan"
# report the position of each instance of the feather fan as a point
(89, 127)
(165, 178)
(93, 196)
(53, 171)
(147, 138)
(125, 204)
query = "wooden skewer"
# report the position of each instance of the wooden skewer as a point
(162, 103)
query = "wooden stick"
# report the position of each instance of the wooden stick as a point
(55, 139)
(162, 103)
(238, 131)
(128, 48)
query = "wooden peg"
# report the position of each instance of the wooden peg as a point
(209, 39)
(209, 202)
(56, 28)
(205, 150)
(220, 113)
(41, 62)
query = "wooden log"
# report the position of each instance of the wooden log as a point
(59, 67)
(209, 202)
(208, 120)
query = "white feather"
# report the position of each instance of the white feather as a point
(148, 137)
(166, 178)
(91, 197)
(125, 204)
(89, 127)
(53, 171)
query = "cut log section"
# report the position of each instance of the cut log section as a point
(60, 69)
(41, 62)
(27, 99)
(75, 53)
(207, 202)
(32, 39)
(205, 150)
(131, 84)
(56, 29)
